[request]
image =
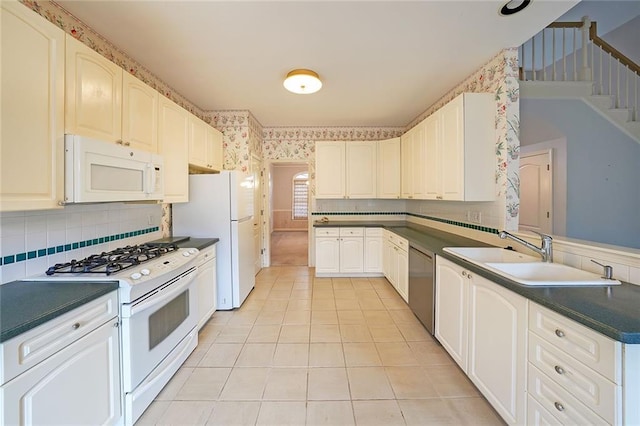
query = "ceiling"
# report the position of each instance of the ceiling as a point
(382, 62)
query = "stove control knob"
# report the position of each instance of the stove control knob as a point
(145, 271)
(186, 254)
(136, 275)
(193, 251)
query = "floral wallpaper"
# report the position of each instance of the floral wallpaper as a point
(242, 137)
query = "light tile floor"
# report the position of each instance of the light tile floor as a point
(318, 351)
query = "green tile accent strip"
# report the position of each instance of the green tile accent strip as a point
(422, 216)
(21, 257)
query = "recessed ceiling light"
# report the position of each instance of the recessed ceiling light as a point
(514, 6)
(302, 82)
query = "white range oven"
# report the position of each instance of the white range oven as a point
(158, 309)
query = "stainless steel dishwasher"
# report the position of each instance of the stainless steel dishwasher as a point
(422, 286)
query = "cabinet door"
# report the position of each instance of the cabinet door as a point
(497, 347)
(418, 169)
(451, 144)
(361, 169)
(173, 144)
(198, 143)
(452, 302)
(93, 102)
(403, 274)
(215, 144)
(206, 283)
(389, 168)
(330, 170)
(373, 254)
(79, 385)
(351, 254)
(32, 138)
(327, 255)
(139, 114)
(387, 256)
(406, 165)
(433, 162)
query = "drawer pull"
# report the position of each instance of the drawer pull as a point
(558, 406)
(464, 273)
(76, 326)
(559, 369)
(559, 332)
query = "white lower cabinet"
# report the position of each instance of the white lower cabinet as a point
(497, 347)
(396, 263)
(77, 385)
(483, 326)
(348, 252)
(206, 284)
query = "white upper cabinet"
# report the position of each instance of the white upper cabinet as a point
(432, 164)
(413, 162)
(467, 148)
(93, 103)
(389, 168)
(139, 114)
(361, 169)
(330, 170)
(173, 145)
(32, 138)
(205, 146)
(406, 165)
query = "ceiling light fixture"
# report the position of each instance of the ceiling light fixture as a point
(514, 6)
(302, 82)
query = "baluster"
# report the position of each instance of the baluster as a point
(600, 79)
(533, 58)
(564, 54)
(626, 84)
(610, 73)
(617, 84)
(575, 53)
(553, 52)
(544, 57)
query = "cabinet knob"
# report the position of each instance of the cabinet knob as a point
(469, 276)
(119, 142)
(558, 406)
(76, 326)
(559, 369)
(559, 333)
(116, 324)
(464, 273)
(127, 144)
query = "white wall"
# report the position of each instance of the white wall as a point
(57, 232)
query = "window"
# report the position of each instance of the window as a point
(299, 209)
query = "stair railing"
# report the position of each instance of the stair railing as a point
(572, 51)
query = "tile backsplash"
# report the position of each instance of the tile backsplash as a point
(32, 241)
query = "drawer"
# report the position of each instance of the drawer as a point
(327, 232)
(26, 350)
(373, 232)
(352, 232)
(593, 349)
(591, 388)
(558, 402)
(399, 241)
(206, 254)
(537, 415)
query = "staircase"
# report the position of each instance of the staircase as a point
(568, 60)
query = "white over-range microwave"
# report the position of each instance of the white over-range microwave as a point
(97, 171)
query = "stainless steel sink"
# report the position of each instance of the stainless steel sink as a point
(528, 270)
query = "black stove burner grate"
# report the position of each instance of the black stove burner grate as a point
(113, 261)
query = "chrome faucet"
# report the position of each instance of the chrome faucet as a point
(545, 250)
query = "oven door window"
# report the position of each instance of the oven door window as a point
(167, 319)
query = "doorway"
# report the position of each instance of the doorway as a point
(536, 192)
(288, 209)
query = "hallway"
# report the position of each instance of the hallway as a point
(289, 248)
(322, 351)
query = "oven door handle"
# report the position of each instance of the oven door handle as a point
(164, 294)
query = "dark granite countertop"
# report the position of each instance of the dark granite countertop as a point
(27, 304)
(613, 311)
(188, 242)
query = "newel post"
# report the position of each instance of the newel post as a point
(585, 71)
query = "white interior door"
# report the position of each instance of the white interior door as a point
(536, 192)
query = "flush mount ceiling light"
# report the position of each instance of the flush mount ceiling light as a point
(302, 82)
(514, 6)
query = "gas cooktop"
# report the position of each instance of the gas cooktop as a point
(114, 261)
